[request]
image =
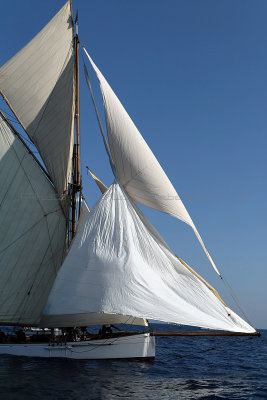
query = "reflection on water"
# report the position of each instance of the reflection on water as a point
(185, 368)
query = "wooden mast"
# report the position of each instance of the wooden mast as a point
(76, 186)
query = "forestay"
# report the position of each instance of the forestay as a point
(33, 233)
(122, 268)
(136, 167)
(38, 84)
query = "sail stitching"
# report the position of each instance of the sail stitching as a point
(25, 232)
(11, 183)
(26, 175)
(41, 263)
(23, 304)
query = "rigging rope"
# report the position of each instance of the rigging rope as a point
(98, 117)
(231, 292)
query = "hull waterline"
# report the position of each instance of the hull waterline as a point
(128, 347)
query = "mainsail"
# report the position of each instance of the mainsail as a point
(122, 269)
(38, 84)
(135, 165)
(33, 233)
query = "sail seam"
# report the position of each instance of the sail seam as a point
(41, 263)
(26, 175)
(24, 233)
(11, 183)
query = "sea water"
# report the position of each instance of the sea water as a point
(184, 368)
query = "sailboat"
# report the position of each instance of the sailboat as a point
(64, 266)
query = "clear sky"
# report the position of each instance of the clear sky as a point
(192, 75)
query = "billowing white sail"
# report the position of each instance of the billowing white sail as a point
(32, 233)
(117, 266)
(38, 85)
(136, 167)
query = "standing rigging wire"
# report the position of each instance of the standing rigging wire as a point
(12, 118)
(99, 122)
(232, 294)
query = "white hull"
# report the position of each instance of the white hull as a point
(135, 346)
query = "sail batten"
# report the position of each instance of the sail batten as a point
(38, 84)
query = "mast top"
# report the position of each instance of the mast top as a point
(76, 24)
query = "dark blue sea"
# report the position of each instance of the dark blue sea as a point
(184, 368)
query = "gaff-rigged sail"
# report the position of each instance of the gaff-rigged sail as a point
(123, 269)
(33, 233)
(38, 84)
(136, 167)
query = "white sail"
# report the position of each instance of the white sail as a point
(38, 85)
(32, 233)
(83, 215)
(122, 269)
(136, 167)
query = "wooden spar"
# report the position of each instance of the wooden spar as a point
(11, 108)
(18, 135)
(205, 334)
(77, 115)
(27, 147)
(76, 187)
(79, 178)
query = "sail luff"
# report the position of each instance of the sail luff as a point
(205, 250)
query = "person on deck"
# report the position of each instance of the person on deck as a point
(105, 331)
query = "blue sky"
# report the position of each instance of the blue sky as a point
(192, 75)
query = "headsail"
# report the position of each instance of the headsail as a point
(38, 84)
(83, 215)
(33, 233)
(102, 187)
(137, 168)
(122, 269)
